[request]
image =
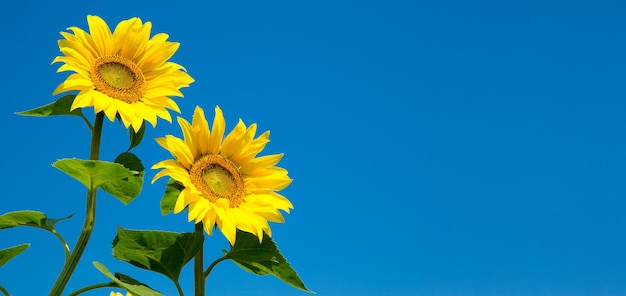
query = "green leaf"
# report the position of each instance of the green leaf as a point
(59, 107)
(263, 258)
(168, 200)
(129, 284)
(114, 178)
(130, 161)
(127, 189)
(92, 173)
(29, 218)
(52, 222)
(127, 279)
(33, 219)
(136, 137)
(159, 251)
(9, 253)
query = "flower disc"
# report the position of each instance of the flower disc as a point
(118, 78)
(217, 177)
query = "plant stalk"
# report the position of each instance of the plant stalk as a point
(90, 216)
(179, 288)
(66, 248)
(4, 291)
(198, 266)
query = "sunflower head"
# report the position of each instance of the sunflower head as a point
(123, 73)
(225, 182)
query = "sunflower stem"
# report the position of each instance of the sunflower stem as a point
(198, 265)
(90, 217)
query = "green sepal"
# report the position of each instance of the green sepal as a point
(127, 283)
(168, 201)
(9, 253)
(136, 137)
(159, 251)
(59, 107)
(263, 258)
(121, 180)
(29, 218)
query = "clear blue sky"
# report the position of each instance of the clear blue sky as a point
(436, 147)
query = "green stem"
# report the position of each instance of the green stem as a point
(179, 288)
(210, 268)
(198, 265)
(93, 287)
(4, 291)
(90, 217)
(66, 248)
(86, 121)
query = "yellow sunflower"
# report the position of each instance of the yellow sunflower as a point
(125, 72)
(119, 294)
(225, 183)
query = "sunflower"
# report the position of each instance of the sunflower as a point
(123, 73)
(119, 294)
(225, 183)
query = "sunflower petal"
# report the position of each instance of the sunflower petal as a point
(101, 35)
(217, 132)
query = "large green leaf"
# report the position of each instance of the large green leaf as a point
(115, 178)
(59, 107)
(129, 188)
(160, 251)
(8, 253)
(129, 284)
(170, 196)
(29, 218)
(263, 258)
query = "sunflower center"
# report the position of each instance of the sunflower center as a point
(117, 75)
(119, 78)
(217, 177)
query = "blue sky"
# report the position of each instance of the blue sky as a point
(436, 147)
